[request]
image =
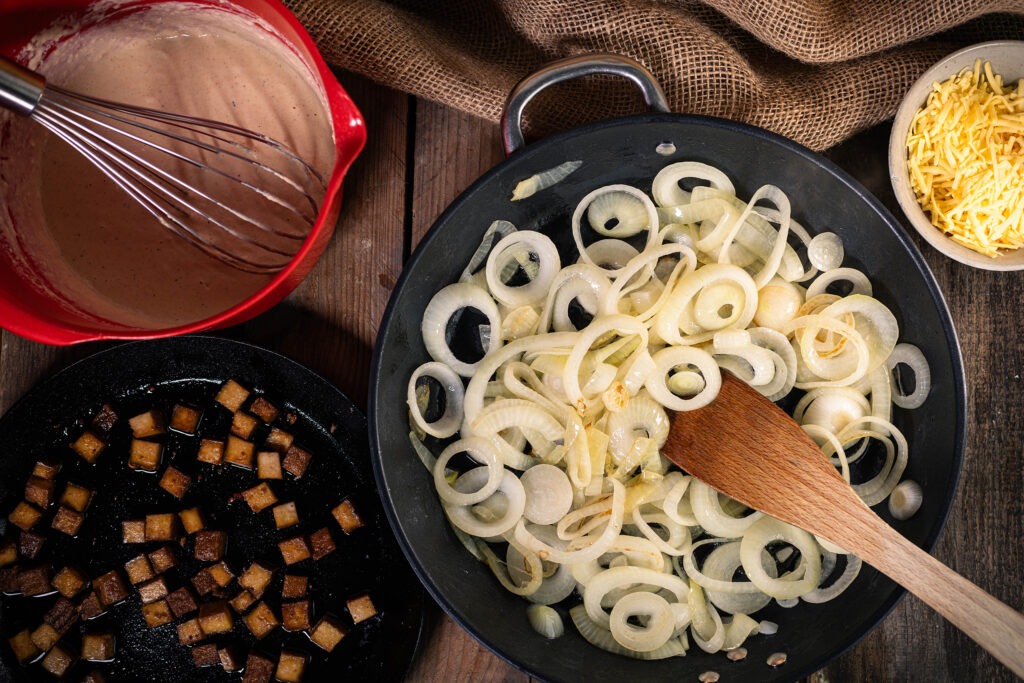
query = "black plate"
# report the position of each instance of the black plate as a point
(623, 151)
(135, 377)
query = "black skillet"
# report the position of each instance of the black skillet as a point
(623, 151)
(142, 375)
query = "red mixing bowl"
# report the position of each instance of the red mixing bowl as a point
(30, 313)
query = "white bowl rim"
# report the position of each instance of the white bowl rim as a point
(899, 176)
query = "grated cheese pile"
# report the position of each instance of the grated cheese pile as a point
(966, 159)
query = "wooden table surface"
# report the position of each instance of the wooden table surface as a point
(419, 157)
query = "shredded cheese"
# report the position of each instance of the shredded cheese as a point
(965, 153)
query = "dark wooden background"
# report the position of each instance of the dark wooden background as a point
(420, 155)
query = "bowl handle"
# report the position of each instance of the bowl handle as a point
(564, 70)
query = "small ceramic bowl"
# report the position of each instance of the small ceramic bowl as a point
(1007, 59)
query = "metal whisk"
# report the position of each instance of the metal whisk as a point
(181, 169)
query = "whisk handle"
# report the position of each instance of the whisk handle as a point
(20, 88)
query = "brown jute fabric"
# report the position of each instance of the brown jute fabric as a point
(815, 71)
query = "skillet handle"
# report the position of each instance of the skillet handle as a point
(567, 69)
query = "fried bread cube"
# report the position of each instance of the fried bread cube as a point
(61, 615)
(295, 615)
(327, 633)
(296, 461)
(162, 559)
(44, 637)
(133, 531)
(215, 617)
(264, 410)
(46, 469)
(294, 549)
(157, 614)
(185, 419)
(8, 552)
(261, 620)
(104, 420)
(175, 482)
(190, 632)
(30, 544)
(243, 424)
(192, 520)
(58, 660)
(210, 545)
(258, 669)
(285, 515)
(94, 677)
(34, 581)
(347, 517)
(110, 588)
(268, 465)
(361, 608)
(290, 666)
(22, 646)
(144, 455)
(182, 601)
(25, 515)
(153, 590)
(205, 655)
(203, 581)
(256, 578)
(242, 601)
(221, 573)
(232, 395)
(162, 527)
(239, 453)
(149, 423)
(211, 451)
(322, 543)
(98, 647)
(230, 658)
(259, 497)
(279, 440)
(294, 586)
(89, 446)
(138, 569)
(39, 491)
(69, 582)
(77, 497)
(67, 521)
(89, 607)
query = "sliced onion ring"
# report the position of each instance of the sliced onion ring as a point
(454, 393)
(439, 311)
(911, 356)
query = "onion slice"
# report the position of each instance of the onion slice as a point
(454, 394)
(439, 311)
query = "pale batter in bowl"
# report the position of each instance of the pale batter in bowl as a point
(95, 248)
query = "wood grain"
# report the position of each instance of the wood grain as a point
(453, 149)
(746, 447)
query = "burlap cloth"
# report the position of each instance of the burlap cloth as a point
(815, 71)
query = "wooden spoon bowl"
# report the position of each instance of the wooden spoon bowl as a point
(746, 447)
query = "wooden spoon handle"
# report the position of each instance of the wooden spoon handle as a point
(992, 624)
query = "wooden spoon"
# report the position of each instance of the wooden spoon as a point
(746, 447)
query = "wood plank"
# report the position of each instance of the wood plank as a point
(452, 149)
(982, 537)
